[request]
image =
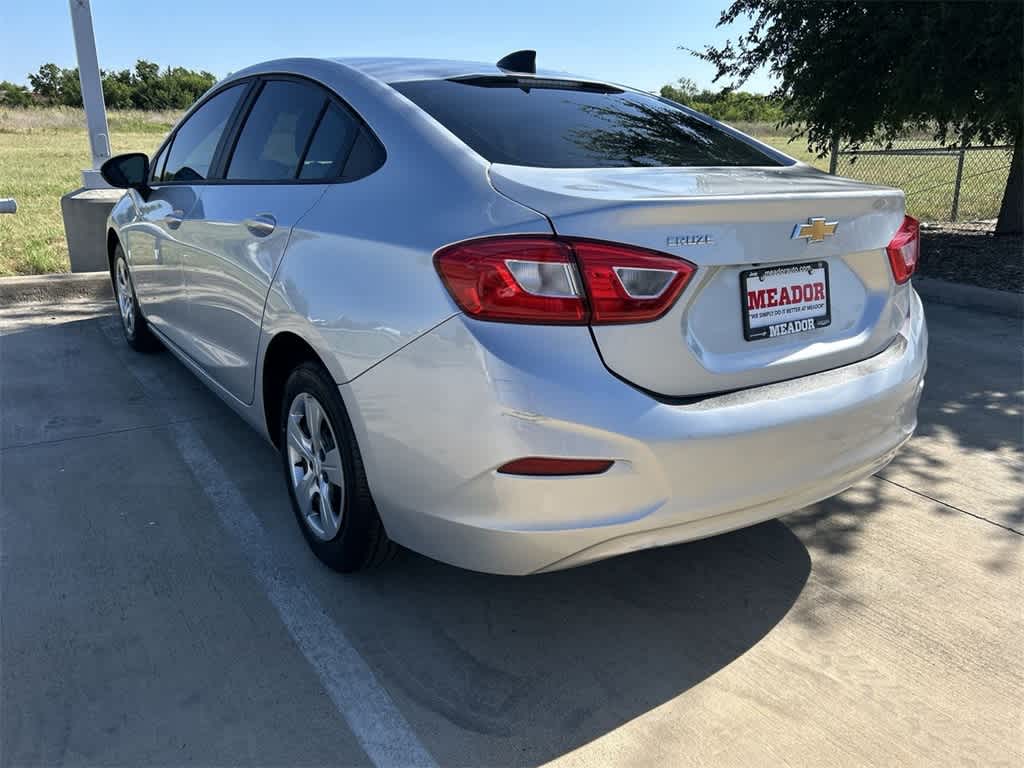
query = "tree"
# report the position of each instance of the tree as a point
(725, 104)
(175, 88)
(684, 91)
(12, 95)
(862, 71)
(117, 89)
(70, 88)
(146, 71)
(53, 85)
(46, 83)
(143, 87)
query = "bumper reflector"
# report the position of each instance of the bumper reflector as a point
(546, 467)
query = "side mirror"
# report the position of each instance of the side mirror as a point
(130, 171)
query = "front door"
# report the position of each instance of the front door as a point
(230, 262)
(170, 216)
(155, 253)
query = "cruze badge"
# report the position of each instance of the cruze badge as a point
(815, 230)
(678, 241)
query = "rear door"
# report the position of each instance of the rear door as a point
(294, 139)
(792, 275)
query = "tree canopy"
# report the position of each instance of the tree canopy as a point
(858, 71)
(724, 104)
(144, 87)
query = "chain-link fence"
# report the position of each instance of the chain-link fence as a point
(959, 186)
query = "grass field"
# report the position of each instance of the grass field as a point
(42, 152)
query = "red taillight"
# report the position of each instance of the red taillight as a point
(629, 285)
(547, 467)
(905, 249)
(480, 276)
(560, 280)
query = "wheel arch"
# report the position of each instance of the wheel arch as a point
(113, 240)
(285, 351)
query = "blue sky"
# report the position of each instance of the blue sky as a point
(635, 43)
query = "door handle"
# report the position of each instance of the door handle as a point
(261, 224)
(173, 220)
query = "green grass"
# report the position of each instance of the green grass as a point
(42, 152)
(927, 180)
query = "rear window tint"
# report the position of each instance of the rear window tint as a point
(276, 131)
(366, 156)
(330, 146)
(508, 120)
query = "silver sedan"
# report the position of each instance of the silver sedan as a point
(517, 320)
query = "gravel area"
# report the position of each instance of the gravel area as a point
(971, 254)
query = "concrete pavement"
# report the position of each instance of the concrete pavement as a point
(159, 607)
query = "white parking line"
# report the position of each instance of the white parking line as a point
(371, 714)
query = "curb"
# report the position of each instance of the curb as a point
(34, 288)
(932, 289)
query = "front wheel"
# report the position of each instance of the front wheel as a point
(136, 329)
(324, 472)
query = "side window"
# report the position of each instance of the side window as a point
(276, 132)
(191, 153)
(367, 156)
(331, 145)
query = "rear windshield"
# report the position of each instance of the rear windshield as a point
(561, 124)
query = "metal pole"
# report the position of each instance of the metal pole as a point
(92, 91)
(833, 161)
(959, 177)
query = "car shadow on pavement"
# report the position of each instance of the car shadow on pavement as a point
(966, 456)
(544, 664)
(522, 670)
(509, 670)
(968, 453)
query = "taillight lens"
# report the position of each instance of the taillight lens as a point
(629, 285)
(560, 280)
(905, 249)
(514, 279)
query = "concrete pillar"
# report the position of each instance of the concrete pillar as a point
(86, 209)
(85, 214)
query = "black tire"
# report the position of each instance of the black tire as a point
(361, 541)
(133, 324)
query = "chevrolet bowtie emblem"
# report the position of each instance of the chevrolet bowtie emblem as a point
(815, 230)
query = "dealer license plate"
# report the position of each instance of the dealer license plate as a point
(783, 300)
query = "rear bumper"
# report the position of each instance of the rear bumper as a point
(436, 419)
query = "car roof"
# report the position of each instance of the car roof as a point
(399, 70)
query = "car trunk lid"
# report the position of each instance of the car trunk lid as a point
(739, 226)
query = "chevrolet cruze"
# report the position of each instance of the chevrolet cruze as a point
(517, 320)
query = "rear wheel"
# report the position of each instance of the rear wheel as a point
(324, 472)
(136, 329)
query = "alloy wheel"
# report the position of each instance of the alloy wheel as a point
(125, 297)
(316, 470)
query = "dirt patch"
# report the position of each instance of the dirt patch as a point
(973, 256)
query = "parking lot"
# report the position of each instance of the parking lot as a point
(159, 606)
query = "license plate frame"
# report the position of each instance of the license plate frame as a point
(791, 320)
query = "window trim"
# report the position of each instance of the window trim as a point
(156, 167)
(226, 147)
(309, 139)
(222, 157)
